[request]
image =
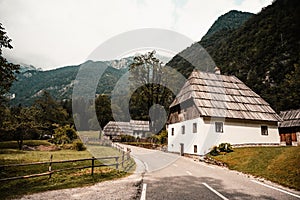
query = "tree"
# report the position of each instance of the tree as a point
(148, 71)
(22, 124)
(7, 70)
(103, 110)
(51, 114)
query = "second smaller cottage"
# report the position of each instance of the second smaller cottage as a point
(289, 128)
(135, 128)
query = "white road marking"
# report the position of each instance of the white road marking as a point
(274, 188)
(146, 166)
(143, 195)
(188, 172)
(215, 191)
(175, 165)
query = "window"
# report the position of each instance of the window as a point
(183, 129)
(194, 127)
(172, 131)
(195, 148)
(219, 127)
(264, 130)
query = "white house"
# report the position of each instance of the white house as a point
(211, 109)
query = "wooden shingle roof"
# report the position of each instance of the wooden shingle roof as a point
(291, 118)
(224, 96)
(125, 128)
(117, 128)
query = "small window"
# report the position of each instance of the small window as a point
(194, 127)
(172, 131)
(264, 130)
(219, 127)
(183, 129)
(195, 148)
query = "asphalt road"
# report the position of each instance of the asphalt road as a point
(169, 176)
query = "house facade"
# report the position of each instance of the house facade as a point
(289, 128)
(212, 108)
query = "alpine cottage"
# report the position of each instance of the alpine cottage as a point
(289, 128)
(212, 108)
(135, 128)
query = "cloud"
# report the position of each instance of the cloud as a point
(53, 33)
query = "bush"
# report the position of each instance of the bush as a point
(78, 145)
(215, 151)
(64, 135)
(223, 147)
(127, 138)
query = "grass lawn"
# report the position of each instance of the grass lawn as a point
(60, 180)
(278, 164)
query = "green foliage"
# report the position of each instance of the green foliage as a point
(78, 145)
(222, 148)
(50, 110)
(161, 138)
(127, 138)
(149, 74)
(214, 151)
(7, 69)
(103, 110)
(225, 147)
(64, 135)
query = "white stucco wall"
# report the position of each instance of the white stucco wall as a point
(234, 133)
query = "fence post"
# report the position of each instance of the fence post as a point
(117, 163)
(50, 165)
(93, 164)
(123, 154)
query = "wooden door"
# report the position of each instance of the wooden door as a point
(181, 149)
(288, 138)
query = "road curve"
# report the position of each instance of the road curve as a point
(169, 176)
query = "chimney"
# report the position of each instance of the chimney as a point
(217, 70)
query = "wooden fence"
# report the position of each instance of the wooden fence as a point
(119, 160)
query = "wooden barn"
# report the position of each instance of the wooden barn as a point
(289, 128)
(212, 108)
(134, 128)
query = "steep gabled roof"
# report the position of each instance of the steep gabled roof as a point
(139, 125)
(224, 96)
(117, 128)
(125, 128)
(291, 118)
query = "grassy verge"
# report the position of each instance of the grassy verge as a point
(14, 144)
(277, 164)
(60, 180)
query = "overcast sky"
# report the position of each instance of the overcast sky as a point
(55, 33)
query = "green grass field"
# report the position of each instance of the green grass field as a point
(60, 180)
(278, 164)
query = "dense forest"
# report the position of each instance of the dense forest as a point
(263, 52)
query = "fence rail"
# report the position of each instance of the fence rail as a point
(119, 160)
